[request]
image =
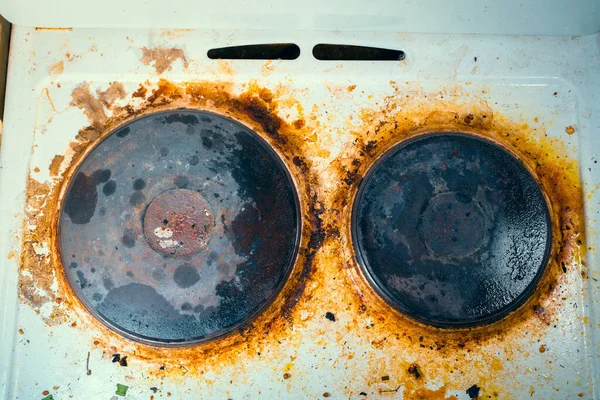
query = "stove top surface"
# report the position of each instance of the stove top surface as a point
(285, 228)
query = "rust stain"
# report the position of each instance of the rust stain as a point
(140, 92)
(175, 33)
(162, 58)
(570, 130)
(47, 93)
(224, 67)
(55, 164)
(53, 29)
(267, 68)
(326, 276)
(56, 68)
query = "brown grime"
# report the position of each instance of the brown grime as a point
(326, 276)
(162, 58)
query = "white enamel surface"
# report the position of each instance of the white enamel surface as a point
(527, 17)
(519, 75)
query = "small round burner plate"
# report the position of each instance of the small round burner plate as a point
(179, 227)
(451, 230)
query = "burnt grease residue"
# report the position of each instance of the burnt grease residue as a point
(326, 276)
(80, 206)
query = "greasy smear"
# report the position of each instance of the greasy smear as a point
(370, 337)
(115, 91)
(95, 107)
(56, 68)
(161, 58)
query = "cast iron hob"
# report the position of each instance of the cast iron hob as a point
(451, 230)
(179, 227)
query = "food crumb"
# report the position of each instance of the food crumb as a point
(385, 378)
(330, 316)
(287, 376)
(570, 130)
(45, 392)
(121, 389)
(473, 391)
(326, 394)
(543, 348)
(414, 370)
(351, 88)
(123, 362)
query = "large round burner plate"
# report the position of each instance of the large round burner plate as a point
(451, 230)
(179, 227)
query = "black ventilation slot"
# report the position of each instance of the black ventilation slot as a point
(274, 51)
(344, 52)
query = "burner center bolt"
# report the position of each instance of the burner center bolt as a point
(178, 223)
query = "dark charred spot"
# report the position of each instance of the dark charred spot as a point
(139, 184)
(193, 160)
(123, 132)
(330, 316)
(80, 204)
(186, 307)
(109, 188)
(108, 283)
(101, 175)
(186, 119)
(123, 361)
(385, 378)
(137, 198)
(207, 142)
(414, 370)
(473, 392)
(468, 118)
(128, 238)
(82, 281)
(299, 123)
(371, 145)
(299, 162)
(73, 265)
(181, 181)
(351, 177)
(116, 357)
(186, 276)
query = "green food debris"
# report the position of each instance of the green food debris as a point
(122, 389)
(49, 397)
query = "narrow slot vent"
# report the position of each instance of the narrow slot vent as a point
(271, 51)
(342, 52)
